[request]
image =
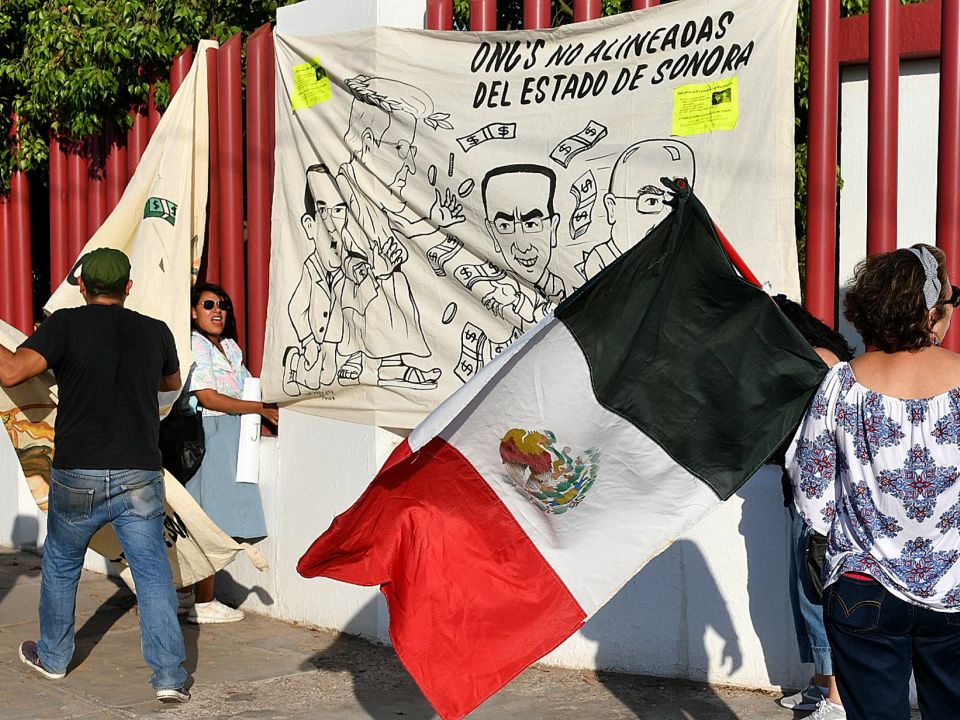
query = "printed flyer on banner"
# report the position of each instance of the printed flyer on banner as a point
(424, 220)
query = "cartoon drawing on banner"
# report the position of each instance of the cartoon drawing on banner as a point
(519, 216)
(439, 255)
(637, 201)
(493, 131)
(521, 221)
(568, 148)
(476, 350)
(385, 327)
(314, 309)
(584, 191)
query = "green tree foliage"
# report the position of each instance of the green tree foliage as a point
(74, 66)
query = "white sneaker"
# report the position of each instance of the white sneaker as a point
(213, 612)
(173, 695)
(806, 699)
(827, 710)
(185, 601)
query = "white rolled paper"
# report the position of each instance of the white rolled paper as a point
(248, 452)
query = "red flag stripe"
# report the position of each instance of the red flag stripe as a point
(449, 557)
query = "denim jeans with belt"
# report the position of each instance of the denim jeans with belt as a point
(81, 502)
(877, 639)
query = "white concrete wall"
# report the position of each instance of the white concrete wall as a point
(916, 170)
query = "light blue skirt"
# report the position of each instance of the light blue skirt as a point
(235, 507)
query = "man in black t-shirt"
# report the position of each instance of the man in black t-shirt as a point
(109, 363)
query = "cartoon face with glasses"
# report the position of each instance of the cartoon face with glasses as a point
(637, 201)
(324, 219)
(518, 203)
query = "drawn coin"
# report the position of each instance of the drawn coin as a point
(450, 166)
(432, 174)
(449, 314)
(466, 187)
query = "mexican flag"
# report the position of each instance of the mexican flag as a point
(532, 495)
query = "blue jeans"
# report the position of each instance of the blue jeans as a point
(807, 613)
(81, 502)
(877, 639)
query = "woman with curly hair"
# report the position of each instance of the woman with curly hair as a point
(875, 468)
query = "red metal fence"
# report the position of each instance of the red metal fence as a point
(87, 178)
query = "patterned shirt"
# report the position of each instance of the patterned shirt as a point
(212, 370)
(878, 476)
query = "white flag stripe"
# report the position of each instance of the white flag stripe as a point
(641, 501)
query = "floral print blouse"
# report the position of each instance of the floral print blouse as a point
(878, 476)
(215, 370)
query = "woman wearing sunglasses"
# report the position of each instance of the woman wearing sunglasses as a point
(216, 384)
(876, 468)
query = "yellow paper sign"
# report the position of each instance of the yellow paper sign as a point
(311, 85)
(705, 107)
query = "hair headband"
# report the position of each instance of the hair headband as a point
(931, 283)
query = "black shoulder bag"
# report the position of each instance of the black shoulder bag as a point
(181, 441)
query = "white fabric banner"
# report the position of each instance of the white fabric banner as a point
(437, 193)
(159, 221)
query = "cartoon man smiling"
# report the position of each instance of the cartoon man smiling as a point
(520, 218)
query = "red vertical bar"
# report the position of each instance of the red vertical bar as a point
(536, 14)
(77, 175)
(585, 10)
(59, 253)
(644, 4)
(260, 142)
(882, 128)
(483, 14)
(179, 69)
(97, 188)
(137, 137)
(439, 14)
(116, 166)
(19, 235)
(211, 266)
(153, 115)
(822, 160)
(948, 160)
(231, 181)
(6, 261)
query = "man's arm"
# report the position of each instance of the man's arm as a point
(19, 366)
(170, 382)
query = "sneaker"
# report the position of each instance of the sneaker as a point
(213, 612)
(31, 657)
(173, 695)
(827, 710)
(185, 601)
(806, 699)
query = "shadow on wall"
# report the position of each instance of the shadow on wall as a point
(12, 570)
(227, 588)
(765, 527)
(660, 620)
(381, 684)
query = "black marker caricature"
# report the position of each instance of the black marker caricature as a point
(637, 201)
(314, 309)
(385, 326)
(521, 221)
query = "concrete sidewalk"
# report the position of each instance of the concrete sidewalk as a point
(262, 668)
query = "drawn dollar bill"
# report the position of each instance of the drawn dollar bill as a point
(584, 191)
(476, 350)
(470, 275)
(493, 131)
(440, 253)
(568, 148)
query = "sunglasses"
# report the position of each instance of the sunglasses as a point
(210, 304)
(954, 298)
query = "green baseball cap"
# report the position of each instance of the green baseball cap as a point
(105, 271)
